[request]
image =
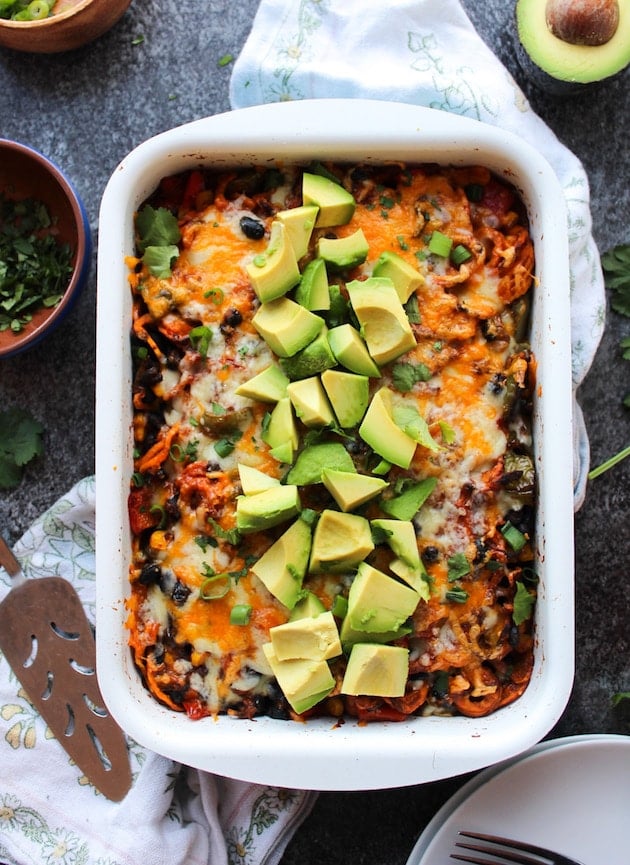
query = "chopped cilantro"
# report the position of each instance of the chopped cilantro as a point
(458, 566)
(156, 227)
(405, 375)
(159, 260)
(232, 536)
(35, 268)
(225, 60)
(523, 604)
(20, 442)
(408, 418)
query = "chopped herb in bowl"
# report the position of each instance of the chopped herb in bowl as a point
(35, 268)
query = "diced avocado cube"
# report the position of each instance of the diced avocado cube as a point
(283, 566)
(402, 540)
(299, 223)
(336, 204)
(267, 509)
(349, 636)
(349, 395)
(314, 458)
(254, 481)
(275, 271)
(316, 638)
(342, 253)
(286, 326)
(376, 670)
(340, 542)
(377, 602)
(379, 431)
(350, 489)
(281, 427)
(351, 351)
(311, 360)
(312, 290)
(308, 606)
(384, 323)
(407, 504)
(404, 276)
(283, 452)
(270, 385)
(310, 402)
(304, 682)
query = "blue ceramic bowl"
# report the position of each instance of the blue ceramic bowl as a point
(26, 173)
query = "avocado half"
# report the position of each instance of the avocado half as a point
(562, 67)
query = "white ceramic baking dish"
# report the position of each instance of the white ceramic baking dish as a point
(321, 754)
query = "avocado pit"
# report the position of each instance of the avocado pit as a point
(583, 22)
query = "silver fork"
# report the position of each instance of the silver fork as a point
(506, 850)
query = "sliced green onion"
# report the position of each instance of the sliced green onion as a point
(457, 596)
(617, 458)
(159, 511)
(460, 254)
(201, 338)
(440, 244)
(215, 587)
(240, 614)
(515, 538)
(340, 607)
(215, 295)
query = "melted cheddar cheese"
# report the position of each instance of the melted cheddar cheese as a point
(469, 377)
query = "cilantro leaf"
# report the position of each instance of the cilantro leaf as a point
(405, 375)
(458, 567)
(523, 604)
(156, 228)
(159, 259)
(20, 442)
(409, 420)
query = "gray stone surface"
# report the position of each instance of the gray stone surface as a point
(86, 110)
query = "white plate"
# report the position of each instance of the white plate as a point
(570, 795)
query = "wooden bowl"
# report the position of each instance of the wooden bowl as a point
(26, 173)
(76, 23)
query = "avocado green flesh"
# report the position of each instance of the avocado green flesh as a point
(581, 64)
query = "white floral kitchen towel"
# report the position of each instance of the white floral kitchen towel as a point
(173, 815)
(424, 52)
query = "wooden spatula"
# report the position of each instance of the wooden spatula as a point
(48, 641)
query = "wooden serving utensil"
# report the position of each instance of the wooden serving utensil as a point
(49, 643)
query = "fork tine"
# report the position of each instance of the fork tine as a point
(507, 851)
(473, 860)
(503, 854)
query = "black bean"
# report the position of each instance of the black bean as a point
(231, 319)
(430, 554)
(150, 574)
(252, 228)
(180, 593)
